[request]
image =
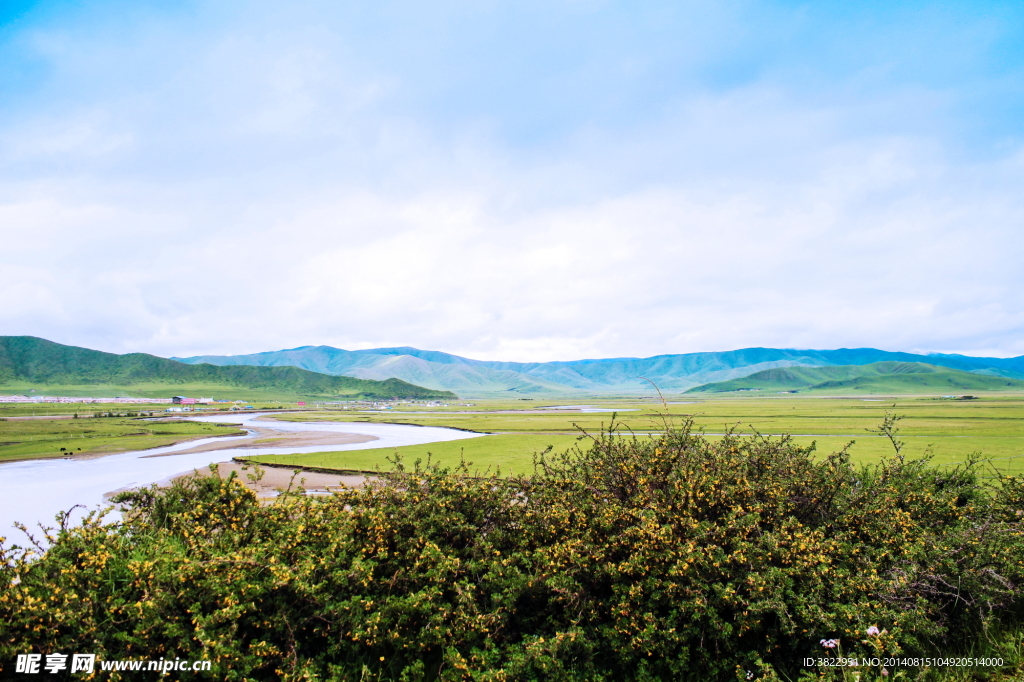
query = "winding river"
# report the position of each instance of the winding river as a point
(34, 491)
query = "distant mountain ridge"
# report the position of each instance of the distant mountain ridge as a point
(877, 377)
(35, 361)
(674, 373)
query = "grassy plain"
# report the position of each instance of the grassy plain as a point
(152, 390)
(505, 453)
(17, 410)
(992, 425)
(44, 438)
(951, 430)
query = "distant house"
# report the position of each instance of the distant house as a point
(182, 400)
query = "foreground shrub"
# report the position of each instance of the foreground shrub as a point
(676, 557)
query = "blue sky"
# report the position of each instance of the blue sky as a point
(520, 181)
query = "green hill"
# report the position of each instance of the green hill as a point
(878, 377)
(27, 361)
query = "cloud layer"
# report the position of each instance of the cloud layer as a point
(513, 180)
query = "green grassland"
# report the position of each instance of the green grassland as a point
(44, 438)
(87, 409)
(950, 430)
(151, 389)
(505, 453)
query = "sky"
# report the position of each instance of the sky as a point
(522, 181)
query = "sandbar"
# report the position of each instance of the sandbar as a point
(273, 438)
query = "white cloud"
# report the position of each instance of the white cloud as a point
(274, 180)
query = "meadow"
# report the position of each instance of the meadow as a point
(950, 430)
(152, 389)
(39, 438)
(507, 454)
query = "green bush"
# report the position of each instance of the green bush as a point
(676, 557)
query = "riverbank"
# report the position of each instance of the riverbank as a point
(97, 437)
(274, 480)
(262, 438)
(35, 491)
(62, 438)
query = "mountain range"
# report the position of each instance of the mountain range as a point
(621, 376)
(324, 371)
(27, 361)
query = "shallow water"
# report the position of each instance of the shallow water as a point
(35, 491)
